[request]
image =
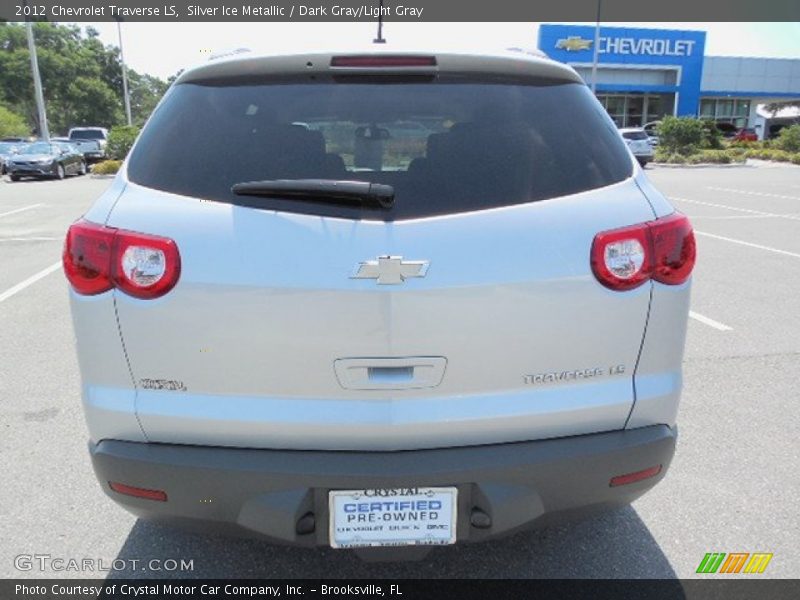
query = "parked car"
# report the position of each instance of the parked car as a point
(746, 135)
(639, 143)
(7, 150)
(85, 137)
(46, 159)
(775, 130)
(651, 129)
(728, 130)
(91, 150)
(276, 340)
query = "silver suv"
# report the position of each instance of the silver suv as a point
(379, 300)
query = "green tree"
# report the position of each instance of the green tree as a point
(120, 140)
(145, 91)
(712, 136)
(81, 78)
(681, 135)
(774, 107)
(11, 124)
(789, 139)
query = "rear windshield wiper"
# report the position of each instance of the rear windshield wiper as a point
(354, 193)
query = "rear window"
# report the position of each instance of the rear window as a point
(634, 135)
(87, 134)
(445, 145)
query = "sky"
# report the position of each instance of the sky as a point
(162, 49)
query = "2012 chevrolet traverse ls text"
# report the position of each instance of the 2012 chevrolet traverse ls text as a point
(379, 300)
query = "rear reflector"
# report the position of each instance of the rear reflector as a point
(383, 61)
(634, 477)
(138, 492)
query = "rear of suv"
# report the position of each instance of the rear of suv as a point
(379, 300)
(639, 143)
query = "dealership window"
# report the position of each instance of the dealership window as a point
(635, 110)
(726, 110)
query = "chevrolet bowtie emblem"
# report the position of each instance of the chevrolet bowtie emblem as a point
(390, 270)
(574, 43)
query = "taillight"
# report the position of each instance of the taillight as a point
(663, 250)
(145, 266)
(674, 250)
(87, 257)
(97, 259)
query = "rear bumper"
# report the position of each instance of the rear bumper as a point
(266, 492)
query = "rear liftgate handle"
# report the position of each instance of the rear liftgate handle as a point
(407, 373)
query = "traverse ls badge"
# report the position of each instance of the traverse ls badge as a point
(390, 270)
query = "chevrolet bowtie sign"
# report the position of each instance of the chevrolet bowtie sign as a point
(628, 45)
(390, 270)
(573, 43)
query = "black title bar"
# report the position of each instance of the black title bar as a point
(397, 10)
(709, 588)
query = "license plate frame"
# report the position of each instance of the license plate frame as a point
(395, 530)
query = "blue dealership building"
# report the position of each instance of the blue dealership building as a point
(645, 74)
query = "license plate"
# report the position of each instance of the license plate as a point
(423, 516)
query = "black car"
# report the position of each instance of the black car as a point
(728, 130)
(7, 150)
(46, 159)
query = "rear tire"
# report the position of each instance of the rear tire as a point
(82, 170)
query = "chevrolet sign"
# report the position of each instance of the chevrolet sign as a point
(645, 46)
(629, 45)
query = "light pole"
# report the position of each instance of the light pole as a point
(44, 132)
(124, 76)
(596, 47)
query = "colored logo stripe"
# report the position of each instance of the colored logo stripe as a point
(758, 562)
(734, 562)
(711, 562)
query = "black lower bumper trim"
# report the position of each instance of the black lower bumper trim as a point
(267, 492)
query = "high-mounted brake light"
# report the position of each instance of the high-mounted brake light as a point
(383, 61)
(663, 250)
(97, 259)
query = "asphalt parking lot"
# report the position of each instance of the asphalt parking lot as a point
(733, 486)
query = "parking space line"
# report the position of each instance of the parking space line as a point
(19, 210)
(761, 213)
(749, 193)
(734, 217)
(749, 244)
(29, 281)
(710, 322)
(30, 239)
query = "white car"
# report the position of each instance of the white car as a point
(651, 129)
(339, 334)
(639, 142)
(85, 137)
